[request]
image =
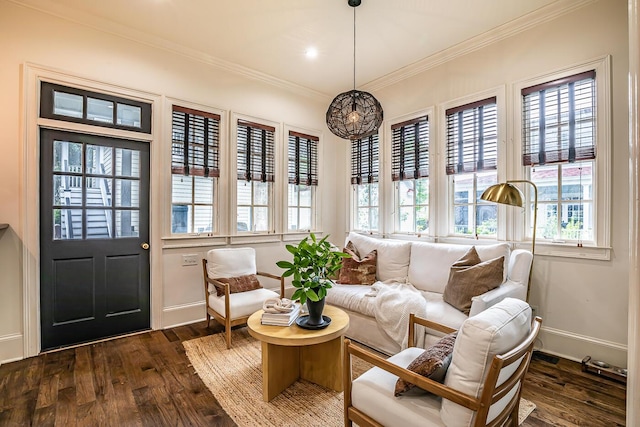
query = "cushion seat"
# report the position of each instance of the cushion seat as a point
(373, 394)
(243, 303)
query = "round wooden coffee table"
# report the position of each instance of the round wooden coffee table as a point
(290, 353)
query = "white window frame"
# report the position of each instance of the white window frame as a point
(316, 190)
(275, 197)
(601, 250)
(390, 187)
(445, 186)
(353, 200)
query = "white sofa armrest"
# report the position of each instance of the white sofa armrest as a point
(507, 289)
(520, 266)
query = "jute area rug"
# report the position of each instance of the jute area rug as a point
(234, 377)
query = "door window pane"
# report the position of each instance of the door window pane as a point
(67, 190)
(127, 223)
(67, 224)
(67, 156)
(127, 193)
(67, 104)
(99, 110)
(98, 191)
(98, 223)
(127, 162)
(99, 160)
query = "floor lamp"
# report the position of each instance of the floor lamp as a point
(508, 194)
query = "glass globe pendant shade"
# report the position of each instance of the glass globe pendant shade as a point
(354, 115)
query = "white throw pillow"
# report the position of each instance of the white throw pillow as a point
(231, 262)
(393, 255)
(496, 330)
(431, 262)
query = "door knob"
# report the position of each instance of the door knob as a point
(145, 246)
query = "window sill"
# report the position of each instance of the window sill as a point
(206, 239)
(567, 250)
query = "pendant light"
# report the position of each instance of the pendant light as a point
(354, 114)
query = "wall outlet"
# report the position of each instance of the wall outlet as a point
(189, 259)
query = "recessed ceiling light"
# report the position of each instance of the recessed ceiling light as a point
(311, 52)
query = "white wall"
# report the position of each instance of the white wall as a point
(583, 302)
(30, 37)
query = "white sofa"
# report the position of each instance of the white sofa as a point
(425, 266)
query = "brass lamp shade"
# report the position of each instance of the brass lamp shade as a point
(504, 193)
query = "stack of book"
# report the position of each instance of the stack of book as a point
(281, 319)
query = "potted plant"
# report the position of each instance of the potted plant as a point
(315, 263)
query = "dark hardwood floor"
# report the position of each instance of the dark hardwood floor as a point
(146, 380)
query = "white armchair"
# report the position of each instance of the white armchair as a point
(482, 385)
(231, 287)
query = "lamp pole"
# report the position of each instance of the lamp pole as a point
(535, 221)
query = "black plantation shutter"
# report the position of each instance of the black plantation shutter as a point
(256, 158)
(472, 137)
(365, 160)
(303, 159)
(195, 142)
(559, 120)
(410, 149)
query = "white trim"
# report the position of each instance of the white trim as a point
(183, 314)
(563, 343)
(519, 25)
(11, 348)
(29, 195)
(633, 333)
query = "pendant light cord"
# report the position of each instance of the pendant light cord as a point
(354, 48)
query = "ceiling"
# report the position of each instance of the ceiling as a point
(268, 38)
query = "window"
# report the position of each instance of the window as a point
(93, 108)
(194, 169)
(303, 179)
(410, 172)
(365, 167)
(559, 149)
(472, 161)
(255, 165)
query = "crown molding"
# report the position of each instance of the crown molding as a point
(128, 33)
(509, 29)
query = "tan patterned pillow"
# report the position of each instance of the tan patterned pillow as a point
(432, 363)
(470, 277)
(356, 270)
(240, 284)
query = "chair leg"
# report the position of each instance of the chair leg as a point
(208, 319)
(228, 332)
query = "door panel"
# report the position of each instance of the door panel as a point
(94, 218)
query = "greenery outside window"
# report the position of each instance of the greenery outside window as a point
(471, 163)
(303, 180)
(255, 166)
(410, 173)
(559, 149)
(365, 171)
(194, 170)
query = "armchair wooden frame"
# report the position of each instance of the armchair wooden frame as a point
(228, 321)
(491, 392)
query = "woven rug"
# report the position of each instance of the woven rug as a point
(234, 377)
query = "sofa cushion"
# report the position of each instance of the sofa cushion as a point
(243, 303)
(431, 262)
(244, 283)
(356, 270)
(432, 363)
(393, 255)
(470, 277)
(496, 330)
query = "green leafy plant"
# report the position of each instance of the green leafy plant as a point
(314, 263)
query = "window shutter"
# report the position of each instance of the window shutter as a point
(303, 159)
(365, 160)
(559, 120)
(256, 158)
(195, 142)
(472, 137)
(410, 149)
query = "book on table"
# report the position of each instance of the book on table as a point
(281, 319)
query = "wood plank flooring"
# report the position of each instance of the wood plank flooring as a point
(146, 380)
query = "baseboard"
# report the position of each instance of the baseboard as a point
(184, 314)
(575, 347)
(11, 348)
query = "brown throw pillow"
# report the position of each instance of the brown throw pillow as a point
(356, 270)
(432, 363)
(470, 277)
(240, 284)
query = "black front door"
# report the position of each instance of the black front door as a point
(94, 234)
